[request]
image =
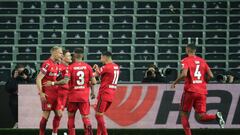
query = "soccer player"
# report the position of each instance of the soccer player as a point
(194, 70)
(48, 94)
(109, 74)
(81, 80)
(63, 89)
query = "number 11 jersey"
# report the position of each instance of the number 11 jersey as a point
(109, 74)
(197, 69)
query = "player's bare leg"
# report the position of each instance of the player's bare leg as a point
(71, 125)
(87, 125)
(56, 121)
(43, 122)
(203, 117)
(185, 123)
(101, 128)
(209, 117)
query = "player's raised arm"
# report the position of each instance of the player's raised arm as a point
(40, 76)
(97, 70)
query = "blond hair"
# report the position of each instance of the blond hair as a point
(55, 48)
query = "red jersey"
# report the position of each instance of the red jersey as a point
(65, 74)
(81, 74)
(195, 80)
(50, 70)
(109, 74)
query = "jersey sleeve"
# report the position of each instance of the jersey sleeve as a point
(102, 70)
(184, 64)
(45, 68)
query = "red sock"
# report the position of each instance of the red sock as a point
(99, 131)
(43, 124)
(87, 126)
(101, 125)
(56, 121)
(185, 124)
(71, 125)
(207, 117)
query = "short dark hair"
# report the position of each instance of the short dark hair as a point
(192, 46)
(78, 51)
(65, 51)
(107, 53)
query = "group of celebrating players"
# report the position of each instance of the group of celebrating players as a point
(76, 79)
(66, 82)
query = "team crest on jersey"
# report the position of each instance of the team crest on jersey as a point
(197, 62)
(49, 105)
(46, 66)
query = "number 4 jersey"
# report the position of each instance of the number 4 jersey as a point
(197, 69)
(81, 74)
(109, 77)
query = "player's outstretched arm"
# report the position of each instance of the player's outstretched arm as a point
(182, 76)
(61, 82)
(40, 76)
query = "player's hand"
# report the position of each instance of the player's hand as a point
(173, 86)
(43, 97)
(48, 83)
(92, 95)
(95, 67)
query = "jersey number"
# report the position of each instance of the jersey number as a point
(197, 73)
(116, 76)
(80, 75)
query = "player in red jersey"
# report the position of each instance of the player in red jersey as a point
(81, 80)
(109, 74)
(194, 70)
(48, 94)
(63, 88)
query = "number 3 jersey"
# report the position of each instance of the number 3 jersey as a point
(81, 74)
(109, 74)
(197, 69)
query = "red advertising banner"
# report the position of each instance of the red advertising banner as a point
(142, 106)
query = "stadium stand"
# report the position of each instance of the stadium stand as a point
(137, 32)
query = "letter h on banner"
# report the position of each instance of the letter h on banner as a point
(166, 107)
